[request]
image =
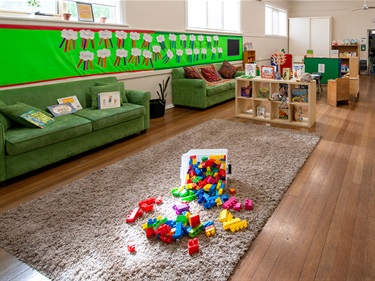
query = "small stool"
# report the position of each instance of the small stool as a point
(318, 78)
(338, 90)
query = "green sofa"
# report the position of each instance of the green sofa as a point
(196, 93)
(24, 149)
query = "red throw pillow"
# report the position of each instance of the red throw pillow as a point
(210, 74)
(227, 70)
(192, 72)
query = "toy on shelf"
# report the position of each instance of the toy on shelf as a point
(279, 59)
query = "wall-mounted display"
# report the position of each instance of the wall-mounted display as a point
(56, 53)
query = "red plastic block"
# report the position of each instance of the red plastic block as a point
(193, 246)
(194, 220)
(136, 213)
(148, 201)
(147, 208)
(131, 247)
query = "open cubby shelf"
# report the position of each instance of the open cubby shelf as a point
(260, 105)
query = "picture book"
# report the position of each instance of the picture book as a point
(300, 95)
(251, 69)
(267, 72)
(109, 100)
(298, 114)
(283, 111)
(286, 73)
(261, 111)
(73, 100)
(61, 109)
(264, 91)
(246, 91)
(298, 70)
(37, 118)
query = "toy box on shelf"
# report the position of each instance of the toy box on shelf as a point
(277, 101)
(215, 159)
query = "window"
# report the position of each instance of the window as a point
(215, 15)
(276, 21)
(111, 9)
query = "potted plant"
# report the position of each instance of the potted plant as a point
(157, 106)
(33, 5)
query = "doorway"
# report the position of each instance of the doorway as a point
(371, 51)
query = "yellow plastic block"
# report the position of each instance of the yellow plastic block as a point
(207, 187)
(218, 202)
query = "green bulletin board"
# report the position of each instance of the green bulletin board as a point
(329, 68)
(39, 53)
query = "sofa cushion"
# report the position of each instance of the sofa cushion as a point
(103, 118)
(210, 74)
(21, 139)
(217, 89)
(121, 86)
(227, 70)
(4, 120)
(15, 111)
(95, 90)
(192, 72)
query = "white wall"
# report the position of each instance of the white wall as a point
(346, 23)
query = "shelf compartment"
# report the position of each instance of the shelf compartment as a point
(244, 107)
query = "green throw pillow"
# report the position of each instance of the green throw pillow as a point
(15, 111)
(6, 122)
(121, 86)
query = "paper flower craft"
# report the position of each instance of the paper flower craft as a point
(102, 57)
(147, 39)
(135, 55)
(168, 56)
(179, 54)
(69, 38)
(121, 36)
(161, 40)
(106, 36)
(120, 53)
(86, 57)
(87, 36)
(173, 38)
(147, 55)
(183, 40)
(156, 52)
(134, 36)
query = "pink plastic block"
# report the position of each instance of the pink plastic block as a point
(229, 203)
(248, 204)
(158, 200)
(237, 207)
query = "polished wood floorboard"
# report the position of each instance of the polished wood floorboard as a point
(324, 227)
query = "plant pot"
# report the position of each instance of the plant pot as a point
(157, 108)
(66, 16)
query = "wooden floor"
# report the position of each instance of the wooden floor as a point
(324, 227)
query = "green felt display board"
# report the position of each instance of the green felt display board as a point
(31, 54)
(332, 67)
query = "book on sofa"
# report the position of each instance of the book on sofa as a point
(37, 118)
(61, 109)
(109, 100)
(73, 100)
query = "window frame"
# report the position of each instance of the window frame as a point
(206, 28)
(118, 11)
(278, 10)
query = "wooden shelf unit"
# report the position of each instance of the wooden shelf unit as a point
(247, 107)
(346, 51)
(248, 57)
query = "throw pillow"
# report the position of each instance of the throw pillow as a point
(95, 90)
(6, 122)
(123, 97)
(210, 74)
(192, 72)
(227, 70)
(15, 111)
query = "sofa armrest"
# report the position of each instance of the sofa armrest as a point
(238, 73)
(189, 92)
(3, 171)
(140, 98)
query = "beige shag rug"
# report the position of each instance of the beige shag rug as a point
(78, 232)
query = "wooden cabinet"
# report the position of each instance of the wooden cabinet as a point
(338, 90)
(260, 106)
(248, 57)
